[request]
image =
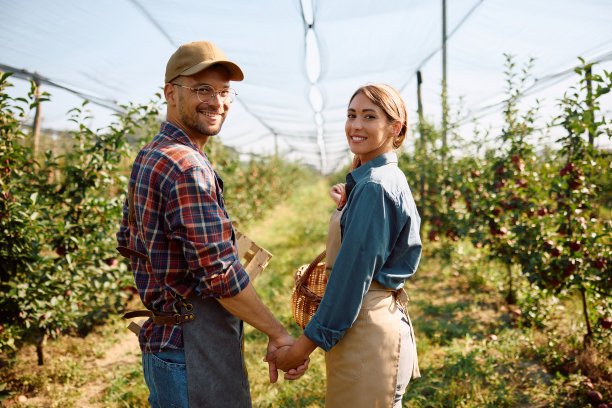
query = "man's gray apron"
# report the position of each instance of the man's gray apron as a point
(212, 340)
(216, 373)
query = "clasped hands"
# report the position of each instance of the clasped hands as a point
(280, 357)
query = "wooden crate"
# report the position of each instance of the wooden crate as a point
(254, 259)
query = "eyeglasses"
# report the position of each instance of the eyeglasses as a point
(206, 92)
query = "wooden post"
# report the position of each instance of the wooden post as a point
(36, 125)
(422, 132)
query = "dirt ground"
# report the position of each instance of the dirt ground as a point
(101, 356)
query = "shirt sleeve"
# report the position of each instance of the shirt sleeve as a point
(199, 223)
(369, 222)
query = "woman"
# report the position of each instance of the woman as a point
(373, 247)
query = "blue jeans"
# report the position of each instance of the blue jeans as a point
(166, 377)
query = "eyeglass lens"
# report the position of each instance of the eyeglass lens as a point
(206, 93)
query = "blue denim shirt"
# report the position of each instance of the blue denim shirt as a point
(380, 242)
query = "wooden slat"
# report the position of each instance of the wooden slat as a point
(257, 263)
(243, 244)
(135, 327)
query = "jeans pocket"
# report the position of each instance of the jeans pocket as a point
(169, 361)
(170, 379)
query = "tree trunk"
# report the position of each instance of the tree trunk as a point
(510, 296)
(585, 310)
(40, 349)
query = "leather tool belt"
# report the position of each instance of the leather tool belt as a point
(171, 319)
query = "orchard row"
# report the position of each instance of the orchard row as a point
(546, 212)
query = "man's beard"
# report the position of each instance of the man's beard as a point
(192, 122)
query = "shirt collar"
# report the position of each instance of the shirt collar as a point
(171, 130)
(362, 171)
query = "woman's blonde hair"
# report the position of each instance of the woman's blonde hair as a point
(391, 103)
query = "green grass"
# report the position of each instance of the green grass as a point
(295, 234)
(457, 305)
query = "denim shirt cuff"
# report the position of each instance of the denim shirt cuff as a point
(322, 336)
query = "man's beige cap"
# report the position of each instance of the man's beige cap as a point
(196, 56)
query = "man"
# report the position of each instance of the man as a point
(181, 243)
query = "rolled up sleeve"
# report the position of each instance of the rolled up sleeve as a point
(199, 223)
(369, 214)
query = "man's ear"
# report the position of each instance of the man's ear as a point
(170, 93)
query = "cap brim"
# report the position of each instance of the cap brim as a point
(234, 70)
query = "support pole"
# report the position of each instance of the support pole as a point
(589, 89)
(444, 93)
(422, 132)
(36, 126)
(275, 145)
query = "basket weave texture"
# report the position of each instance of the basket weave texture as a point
(310, 282)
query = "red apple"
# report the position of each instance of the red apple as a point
(598, 263)
(594, 396)
(521, 183)
(112, 262)
(606, 322)
(569, 269)
(567, 169)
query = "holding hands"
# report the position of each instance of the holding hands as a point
(281, 346)
(293, 359)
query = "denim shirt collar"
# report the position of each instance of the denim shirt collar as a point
(362, 171)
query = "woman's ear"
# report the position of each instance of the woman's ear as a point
(397, 127)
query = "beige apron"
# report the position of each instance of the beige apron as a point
(362, 368)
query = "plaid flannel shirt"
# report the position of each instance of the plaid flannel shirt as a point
(182, 225)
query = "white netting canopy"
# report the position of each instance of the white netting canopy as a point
(303, 59)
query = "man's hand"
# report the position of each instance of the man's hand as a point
(292, 373)
(294, 360)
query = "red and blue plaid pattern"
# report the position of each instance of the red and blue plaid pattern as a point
(182, 225)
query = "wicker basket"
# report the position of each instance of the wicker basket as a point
(310, 281)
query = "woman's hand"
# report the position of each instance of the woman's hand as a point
(337, 191)
(293, 359)
(288, 358)
(274, 344)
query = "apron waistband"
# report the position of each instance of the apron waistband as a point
(400, 295)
